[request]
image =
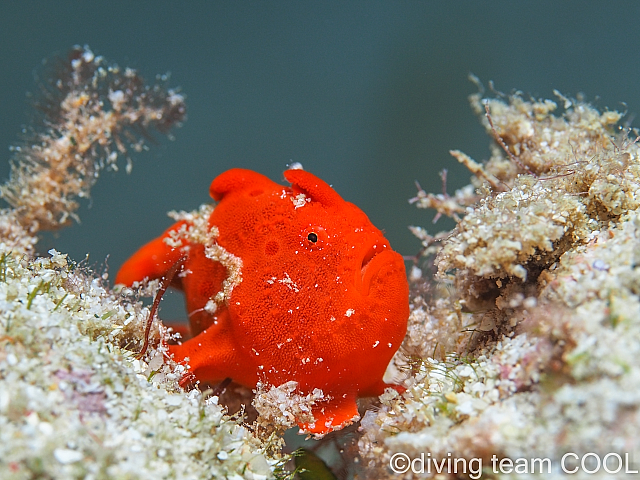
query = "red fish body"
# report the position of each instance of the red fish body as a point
(285, 284)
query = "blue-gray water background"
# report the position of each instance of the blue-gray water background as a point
(370, 96)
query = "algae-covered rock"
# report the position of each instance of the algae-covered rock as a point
(528, 350)
(76, 403)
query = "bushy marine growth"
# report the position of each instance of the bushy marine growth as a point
(528, 346)
(74, 400)
(92, 113)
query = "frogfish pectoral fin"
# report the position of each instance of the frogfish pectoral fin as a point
(212, 356)
(153, 260)
(331, 416)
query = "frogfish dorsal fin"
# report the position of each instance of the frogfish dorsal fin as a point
(312, 186)
(238, 179)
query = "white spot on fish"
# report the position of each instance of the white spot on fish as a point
(300, 200)
(289, 283)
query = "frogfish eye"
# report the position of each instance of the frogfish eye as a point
(312, 237)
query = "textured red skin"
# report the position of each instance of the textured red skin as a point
(304, 311)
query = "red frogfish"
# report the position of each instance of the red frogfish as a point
(285, 284)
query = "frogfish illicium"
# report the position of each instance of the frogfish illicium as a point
(284, 284)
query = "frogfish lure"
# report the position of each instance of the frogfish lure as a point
(284, 284)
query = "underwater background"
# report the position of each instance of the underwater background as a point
(370, 96)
